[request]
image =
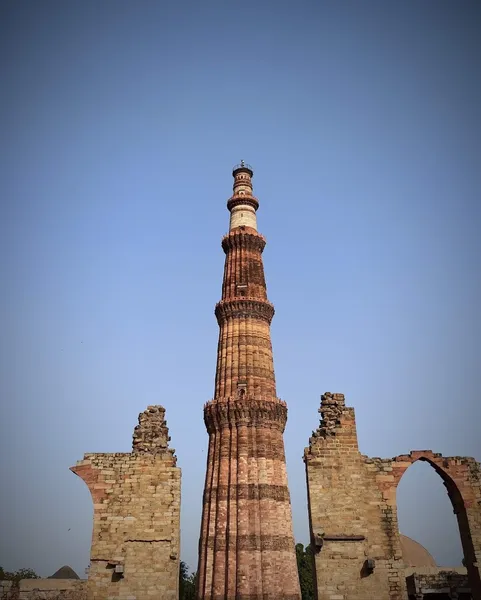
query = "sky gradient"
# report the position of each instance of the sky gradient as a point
(120, 123)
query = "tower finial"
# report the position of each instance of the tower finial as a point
(242, 163)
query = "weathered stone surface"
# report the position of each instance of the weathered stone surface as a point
(246, 547)
(44, 589)
(352, 494)
(136, 529)
(151, 435)
(451, 582)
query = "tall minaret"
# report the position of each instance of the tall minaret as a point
(246, 546)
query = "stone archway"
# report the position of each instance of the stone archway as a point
(353, 510)
(461, 477)
(425, 514)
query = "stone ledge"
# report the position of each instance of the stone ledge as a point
(51, 584)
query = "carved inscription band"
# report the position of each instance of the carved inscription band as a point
(239, 238)
(274, 451)
(263, 373)
(244, 309)
(255, 340)
(249, 412)
(248, 491)
(252, 542)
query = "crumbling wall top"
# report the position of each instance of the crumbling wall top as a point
(337, 428)
(151, 435)
(332, 406)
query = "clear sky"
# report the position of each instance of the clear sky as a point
(120, 123)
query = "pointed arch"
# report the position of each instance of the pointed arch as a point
(461, 477)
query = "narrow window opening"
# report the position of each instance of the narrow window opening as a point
(241, 388)
(241, 289)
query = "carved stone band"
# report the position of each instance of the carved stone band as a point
(236, 200)
(245, 412)
(239, 238)
(244, 309)
(247, 491)
(251, 542)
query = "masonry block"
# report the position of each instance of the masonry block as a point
(136, 531)
(352, 508)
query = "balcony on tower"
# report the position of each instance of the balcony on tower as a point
(242, 204)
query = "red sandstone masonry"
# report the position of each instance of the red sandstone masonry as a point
(246, 547)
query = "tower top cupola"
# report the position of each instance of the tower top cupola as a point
(243, 166)
(242, 204)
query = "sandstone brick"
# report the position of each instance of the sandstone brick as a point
(136, 525)
(350, 493)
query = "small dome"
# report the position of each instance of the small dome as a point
(65, 572)
(415, 555)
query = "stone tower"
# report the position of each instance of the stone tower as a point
(246, 546)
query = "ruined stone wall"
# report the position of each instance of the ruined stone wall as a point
(350, 519)
(452, 582)
(353, 512)
(44, 589)
(136, 530)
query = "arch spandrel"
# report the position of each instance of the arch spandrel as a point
(462, 479)
(455, 471)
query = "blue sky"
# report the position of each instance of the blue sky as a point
(120, 123)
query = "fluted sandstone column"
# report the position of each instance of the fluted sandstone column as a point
(246, 546)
